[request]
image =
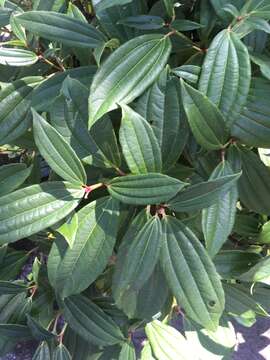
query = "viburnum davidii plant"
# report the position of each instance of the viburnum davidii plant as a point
(140, 191)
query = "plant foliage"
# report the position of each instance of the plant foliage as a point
(140, 190)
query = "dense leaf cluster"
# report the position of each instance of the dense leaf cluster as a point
(153, 118)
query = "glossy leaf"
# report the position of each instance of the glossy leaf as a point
(101, 5)
(15, 100)
(195, 284)
(144, 189)
(90, 322)
(17, 57)
(92, 248)
(139, 260)
(12, 176)
(218, 219)
(62, 28)
(206, 121)
(69, 229)
(29, 210)
(58, 154)
(161, 105)
(185, 25)
(168, 343)
(139, 144)
(204, 194)
(227, 59)
(141, 59)
(190, 73)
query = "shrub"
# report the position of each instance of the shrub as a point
(154, 120)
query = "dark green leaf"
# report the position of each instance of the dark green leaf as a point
(161, 105)
(144, 189)
(195, 283)
(252, 126)
(29, 210)
(254, 187)
(92, 248)
(227, 59)
(101, 5)
(12, 176)
(189, 73)
(15, 331)
(139, 61)
(185, 25)
(15, 100)
(58, 154)
(143, 22)
(205, 194)
(62, 28)
(219, 218)
(232, 263)
(136, 265)
(90, 322)
(37, 330)
(206, 121)
(7, 287)
(45, 94)
(42, 352)
(139, 144)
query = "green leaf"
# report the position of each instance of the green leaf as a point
(253, 186)
(55, 257)
(232, 263)
(15, 331)
(204, 194)
(15, 100)
(168, 343)
(144, 189)
(17, 57)
(143, 22)
(29, 210)
(191, 274)
(139, 61)
(57, 152)
(169, 7)
(161, 105)
(263, 62)
(45, 94)
(101, 5)
(127, 352)
(264, 235)
(136, 262)
(78, 347)
(146, 353)
(61, 353)
(7, 287)
(185, 25)
(42, 352)
(90, 322)
(206, 121)
(190, 73)
(93, 246)
(5, 16)
(252, 126)
(37, 330)
(227, 59)
(12, 176)
(60, 27)
(139, 144)
(259, 272)
(69, 228)
(12, 264)
(219, 218)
